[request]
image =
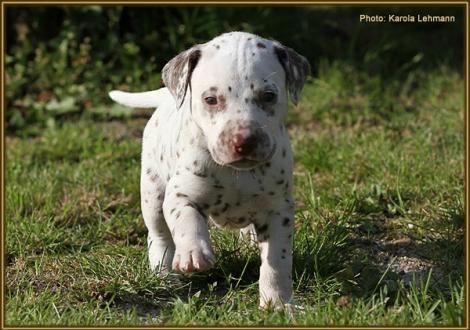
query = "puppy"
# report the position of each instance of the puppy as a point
(217, 149)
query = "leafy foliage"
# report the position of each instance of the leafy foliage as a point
(62, 60)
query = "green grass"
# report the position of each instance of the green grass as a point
(379, 230)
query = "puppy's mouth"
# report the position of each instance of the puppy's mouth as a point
(245, 163)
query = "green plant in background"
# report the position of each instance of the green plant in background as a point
(62, 61)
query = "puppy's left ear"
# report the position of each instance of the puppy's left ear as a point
(296, 67)
(176, 74)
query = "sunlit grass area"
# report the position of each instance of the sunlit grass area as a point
(379, 217)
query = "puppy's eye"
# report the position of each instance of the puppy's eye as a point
(269, 97)
(211, 100)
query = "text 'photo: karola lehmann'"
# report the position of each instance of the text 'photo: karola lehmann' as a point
(392, 18)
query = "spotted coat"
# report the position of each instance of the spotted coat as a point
(217, 150)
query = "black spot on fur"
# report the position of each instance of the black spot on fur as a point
(286, 222)
(260, 45)
(252, 86)
(178, 214)
(261, 229)
(225, 208)
(178, 194)
(280, 182)
(172, 210)
(197, 208)
(200, 174)
(229, 88)
(219, 200)
(283, 152)
(272, 193)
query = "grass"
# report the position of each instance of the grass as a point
(379, 230)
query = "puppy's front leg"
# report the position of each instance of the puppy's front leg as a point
(275, 242)
(188, 226)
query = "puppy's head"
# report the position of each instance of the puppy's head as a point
(236, 89)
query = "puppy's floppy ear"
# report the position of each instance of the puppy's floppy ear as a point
(176, 74)
(296, 67)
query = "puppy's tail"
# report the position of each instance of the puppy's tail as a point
(150, 99)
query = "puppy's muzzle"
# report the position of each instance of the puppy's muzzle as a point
(244, 146)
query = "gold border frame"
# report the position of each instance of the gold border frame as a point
(4, 4)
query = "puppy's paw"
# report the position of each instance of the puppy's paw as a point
(193, 258)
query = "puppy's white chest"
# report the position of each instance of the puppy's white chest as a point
(249, 196)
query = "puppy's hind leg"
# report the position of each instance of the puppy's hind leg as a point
(160, 244)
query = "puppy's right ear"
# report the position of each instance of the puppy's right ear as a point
(296, 67)
(176, 74)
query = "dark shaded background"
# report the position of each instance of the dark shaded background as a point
(62, 61)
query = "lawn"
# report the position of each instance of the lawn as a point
(379, 189)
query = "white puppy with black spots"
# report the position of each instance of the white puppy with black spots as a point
(217, 149)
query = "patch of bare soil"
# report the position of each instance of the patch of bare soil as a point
(389, 250)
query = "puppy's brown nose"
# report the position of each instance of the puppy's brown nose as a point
(244, 143)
